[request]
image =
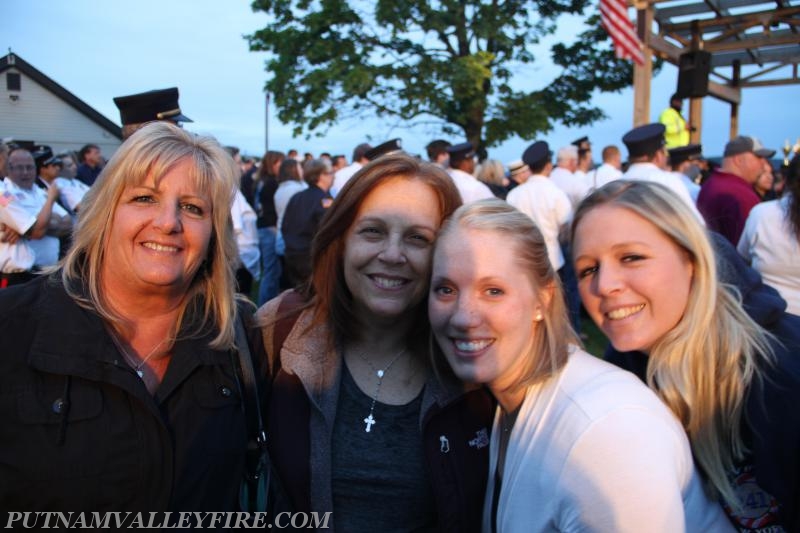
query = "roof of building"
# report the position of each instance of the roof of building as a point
(12, 60)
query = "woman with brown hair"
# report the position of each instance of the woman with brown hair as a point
(359, 423)
(267, 223)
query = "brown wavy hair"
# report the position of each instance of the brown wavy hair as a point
(327, 292)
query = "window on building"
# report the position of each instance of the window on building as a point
(13, 81)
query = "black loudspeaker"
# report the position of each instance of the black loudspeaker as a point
(693, 70)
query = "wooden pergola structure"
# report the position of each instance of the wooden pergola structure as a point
(753, 43)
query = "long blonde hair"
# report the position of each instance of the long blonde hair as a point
(702, 368)
(155, 149)
(551, 339)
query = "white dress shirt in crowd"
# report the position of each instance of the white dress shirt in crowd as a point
(770, 247)
(71, 191)
(470, 188)
(18, 210)
(650, 172)
(603, 174)
(571, 183)
(244, 227)
(550, 209)
(341, 177)
(692, 187)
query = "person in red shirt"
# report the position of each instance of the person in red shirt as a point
(727, 197)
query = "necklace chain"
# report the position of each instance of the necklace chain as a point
(380, 373)
(137, 367)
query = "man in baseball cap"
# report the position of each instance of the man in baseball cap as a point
(727, 197)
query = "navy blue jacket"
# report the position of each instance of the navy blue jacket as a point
(302, 217)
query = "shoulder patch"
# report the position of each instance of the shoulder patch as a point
(760, 511)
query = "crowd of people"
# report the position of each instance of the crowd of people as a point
(418, 343)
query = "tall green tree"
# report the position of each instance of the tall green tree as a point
(462, 64)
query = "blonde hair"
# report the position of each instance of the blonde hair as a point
(552, 337)
(491, 172)
(154, 150)
(702, 368)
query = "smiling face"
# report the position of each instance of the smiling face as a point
(159, 234)
(388, 248)
(483, 307)
(633, 279)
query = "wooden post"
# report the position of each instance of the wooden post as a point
(696, 104)
(643, 74)
(696, 120)
(737, 70)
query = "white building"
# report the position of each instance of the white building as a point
(36, 109)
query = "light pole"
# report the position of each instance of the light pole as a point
(266, 124)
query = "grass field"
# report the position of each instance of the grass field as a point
(596, 342)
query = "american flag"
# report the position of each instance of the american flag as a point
(614, 17)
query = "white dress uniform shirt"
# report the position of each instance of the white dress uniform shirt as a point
(548, 206)
(244, 227)
(772, 249)
(342, 176)
(572, 184)
(603, 174)
(18, 210)
(71, 191)
(650, 172)
(691, 187)
(470, 188)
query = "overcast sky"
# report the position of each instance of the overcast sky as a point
(99, 50)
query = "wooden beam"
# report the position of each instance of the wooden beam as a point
(726, 93)
(752, 77)
(750, 19)
(753, 42)
(772, 83)
(695, 9)
(785, 54)
(671, 52)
